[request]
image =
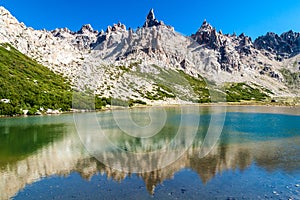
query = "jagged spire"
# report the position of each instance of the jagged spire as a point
(150, 20)
(205, 26)
(151, 15)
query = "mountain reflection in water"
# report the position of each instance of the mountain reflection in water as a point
(39, 147)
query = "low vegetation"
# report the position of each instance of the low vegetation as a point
(199, 89)
(292, 78)
(199, 86)
(236, 92)
(29, 86)
(160, 93)
(101, 102)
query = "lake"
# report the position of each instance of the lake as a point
(189, 152)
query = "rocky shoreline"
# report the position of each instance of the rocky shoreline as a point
(227, 104)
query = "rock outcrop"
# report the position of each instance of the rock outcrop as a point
(86, 29)
(235, 53)
(151, 20)
(282, 46)
(208, 36)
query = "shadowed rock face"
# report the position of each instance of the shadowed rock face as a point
(284, 46)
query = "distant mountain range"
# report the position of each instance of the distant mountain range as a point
(156, 64)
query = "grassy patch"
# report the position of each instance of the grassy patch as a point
(129, 68)
(236, 92)
(292, 78)
(160, 93)
(29, 85)
(101, 102)
(199, 86)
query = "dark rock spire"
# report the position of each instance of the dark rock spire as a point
(151, 15)
(150, 20)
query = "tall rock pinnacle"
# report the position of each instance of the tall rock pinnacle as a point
(151, 15)
(151, 21)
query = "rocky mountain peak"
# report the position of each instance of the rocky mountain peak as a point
(3, 11)
(205, 27)
(7, 17)
(151, 20)
(271, 34)
(151, 15)
(208, 36)
(291, 37)
(87, 28)
(119, 27)
(242, 35)
(229, 47)
(283, 46)
(62, 32)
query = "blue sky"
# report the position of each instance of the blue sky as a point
(254, 18)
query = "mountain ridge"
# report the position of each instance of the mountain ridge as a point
(119, 61)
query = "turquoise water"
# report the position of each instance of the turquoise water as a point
(255, 156)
